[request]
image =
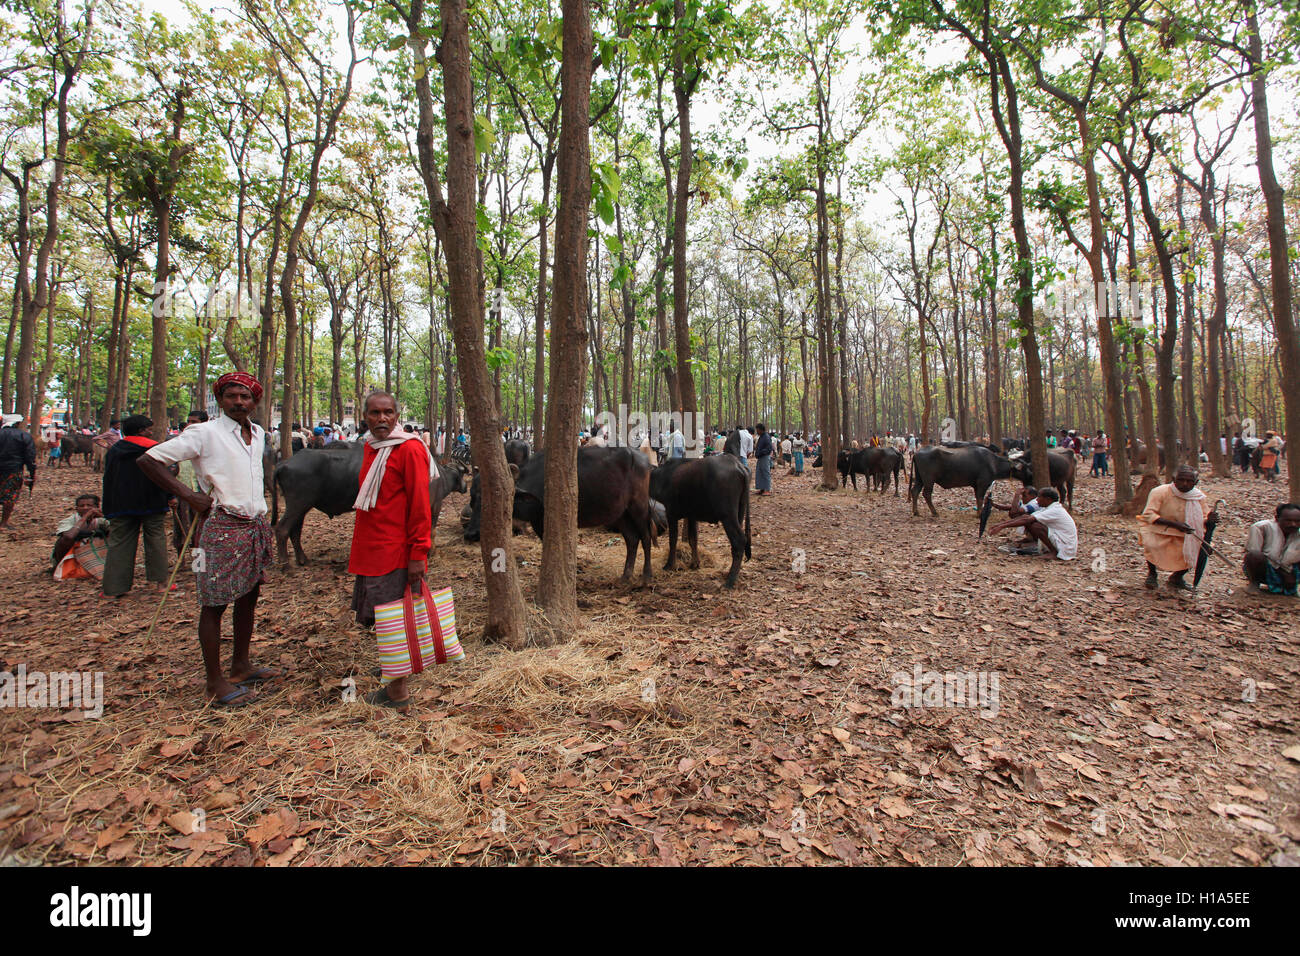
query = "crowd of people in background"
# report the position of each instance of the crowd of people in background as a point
(100, 538)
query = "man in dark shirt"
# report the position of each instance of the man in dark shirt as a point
(17, 451)
(133, 504)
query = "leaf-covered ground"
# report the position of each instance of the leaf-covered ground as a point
(684, 723)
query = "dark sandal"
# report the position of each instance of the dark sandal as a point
(1018, 552)
(380, 698)
(240, 697)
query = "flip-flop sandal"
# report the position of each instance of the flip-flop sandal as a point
(261, 675)
(240, 697)
(380, 698)
(1019, 552)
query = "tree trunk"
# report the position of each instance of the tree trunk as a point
(14, 313)
(161, 201)
(455, 219)
(539, 317)
(47, 361)
(1008, 122)
(685, 160)
(557, 590)
(1279, 261)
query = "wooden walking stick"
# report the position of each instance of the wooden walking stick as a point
(185, 546)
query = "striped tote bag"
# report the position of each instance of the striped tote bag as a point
(417, 631)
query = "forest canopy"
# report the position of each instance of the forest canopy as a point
(843, 217)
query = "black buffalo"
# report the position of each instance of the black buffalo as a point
(971, 466)
(874, 463)
(328, 479)
(1137, 453)
(517, 452)
(883, 462)
(713, 489)
(613, 492)
(850, 464)
(74, 443)
(1061, 465)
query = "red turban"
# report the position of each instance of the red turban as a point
(238, 378)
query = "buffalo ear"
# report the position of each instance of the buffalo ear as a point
(514, 472)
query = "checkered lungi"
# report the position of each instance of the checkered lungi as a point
(236, 551)
(11, 485)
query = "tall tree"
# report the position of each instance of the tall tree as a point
(455, 221)
(558, 584)
(63, 48)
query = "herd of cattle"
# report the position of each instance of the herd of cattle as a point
(618, 489)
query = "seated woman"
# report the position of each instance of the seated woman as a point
(80, 546)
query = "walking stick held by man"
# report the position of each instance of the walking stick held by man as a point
(172, 577)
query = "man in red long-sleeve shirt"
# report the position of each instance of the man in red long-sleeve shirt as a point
(392, 535)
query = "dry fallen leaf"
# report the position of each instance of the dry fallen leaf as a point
(182, 821)
(896, 807)
(1158, 730)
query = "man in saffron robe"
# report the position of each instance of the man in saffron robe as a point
(1173, 525)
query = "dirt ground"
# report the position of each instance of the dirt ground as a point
(684, 723)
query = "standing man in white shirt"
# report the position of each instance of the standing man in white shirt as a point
(235, 541)
(676, 442)
(746, 443)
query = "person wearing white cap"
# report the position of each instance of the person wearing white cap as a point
(17, 451)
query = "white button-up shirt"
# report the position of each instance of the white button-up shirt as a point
(746, 443)
(1267, 536)
(227, 469)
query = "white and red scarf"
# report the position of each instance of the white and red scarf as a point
(1195, 519)
(368, 497)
